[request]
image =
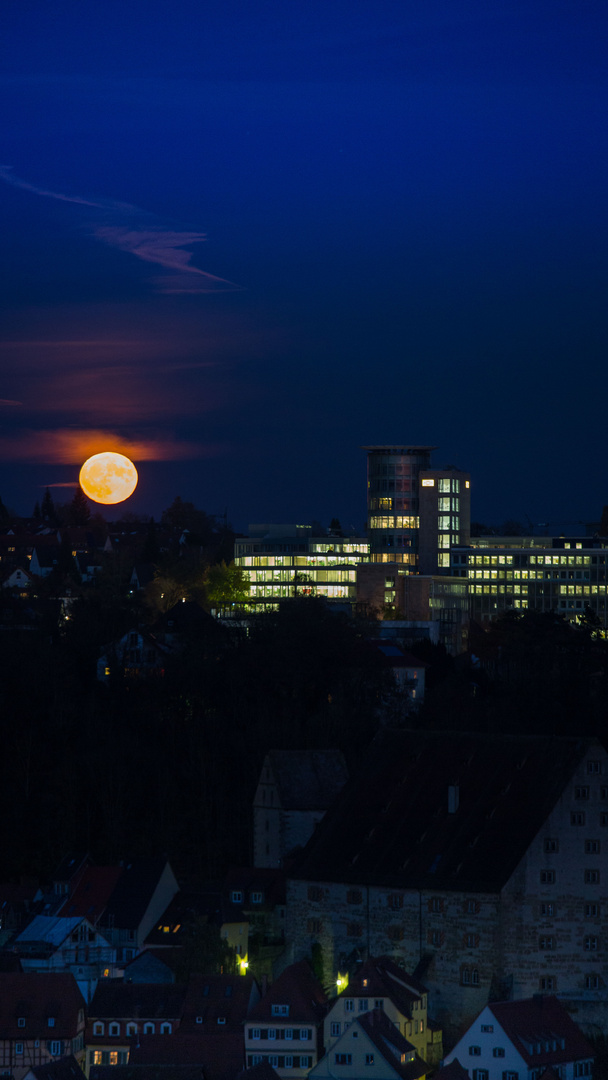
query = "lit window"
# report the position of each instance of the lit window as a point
(428, 483)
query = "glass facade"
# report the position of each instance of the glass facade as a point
(393, 479)
(280, 568)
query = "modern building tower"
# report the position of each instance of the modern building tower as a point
(415, 514)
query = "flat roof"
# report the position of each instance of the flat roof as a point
(399, 449)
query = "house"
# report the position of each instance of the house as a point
(521, 1040)
(120, 1013)
(284, 1028)
(16, 578)
(42, 1017)
(137, 654)
(17, 905)
(294, 791)
(371, 1045)
(142, 894)
(58, 943)
(474, 861)
(382, 984)
(253, 916)
(215, 1011)
(65, 1068)
(90, 892)
(408, 672)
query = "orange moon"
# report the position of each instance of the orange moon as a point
(108, 478)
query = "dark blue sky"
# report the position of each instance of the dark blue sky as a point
(241, 239)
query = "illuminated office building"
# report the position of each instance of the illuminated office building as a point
(562, 574)
(415, 514)
(285, 561)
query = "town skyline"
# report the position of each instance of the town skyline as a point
(261, 239)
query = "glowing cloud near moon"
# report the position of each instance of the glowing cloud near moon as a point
(108, 477)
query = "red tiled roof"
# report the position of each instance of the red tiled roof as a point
(392, 1044)
(382, 977)
(298, 988)
(35, 998)
(91, 896)
(211, 999)
(539, 1021)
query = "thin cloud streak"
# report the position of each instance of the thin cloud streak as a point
(68, 446)
(155, 244)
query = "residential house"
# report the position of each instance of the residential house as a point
(215, 1011)
(474, 861)
(121, 1013)
(371, 1046)
(42, 1017)
(137, 654)
(285, 1027)
(294, 791)
(253, 916)
(17, 905)
(58, 943)
(522, 1040)
(65, 1068)
(382, 984)
(142, 894)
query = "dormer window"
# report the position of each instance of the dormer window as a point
(21, 1021)
(114, 1029)
(236, 896)
(51, 1021)
(98, 1028)
(221, 1019)
(280, 1010)
(257, 898)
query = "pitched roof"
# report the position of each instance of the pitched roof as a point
(217, 1003)
(48, 929)
(382, 977)
(91, 895)
(392, 1045)
(35, 998)
(115, 999)
(298, 988)
(308, 779)
(535, 1024)
(134, 889)
(65, 1068)
(145, 1072)
(391, 825)
(453, 1071)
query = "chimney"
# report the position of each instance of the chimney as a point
(453, 798)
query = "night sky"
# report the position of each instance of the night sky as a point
(242, 238)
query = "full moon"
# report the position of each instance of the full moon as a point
(108, 477)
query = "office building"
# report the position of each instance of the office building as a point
(415, 513)
(286, 561)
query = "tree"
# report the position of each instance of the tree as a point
(184, 516)
(78, 511)
(226, 587)
(49, 513)
(203, 951)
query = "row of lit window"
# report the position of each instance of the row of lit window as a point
(532, 560)
(532, 575)
(443, 540)
(297, 560)
(282, 1061)
(336, 575)
(336, 592)
(394, 521)
(444, 484)
(397, 557)
(108, 1057)
(445, 522)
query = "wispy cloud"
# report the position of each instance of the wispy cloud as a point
(150, 242)
(9, 401)
(68, 446)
